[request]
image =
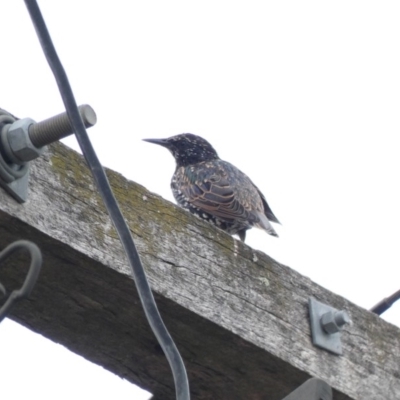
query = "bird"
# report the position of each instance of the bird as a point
(214, 189)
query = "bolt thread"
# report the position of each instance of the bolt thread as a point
(342, 318)
(59, 126)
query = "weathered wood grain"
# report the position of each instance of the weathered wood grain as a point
(239, 318)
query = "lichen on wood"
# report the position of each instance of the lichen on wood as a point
(239, 318)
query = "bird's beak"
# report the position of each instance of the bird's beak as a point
(161, 142)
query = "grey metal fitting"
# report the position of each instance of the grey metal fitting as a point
(59, 126)
(313, 389)
(20, 147)
(326, 325)
(24, 140)
(333, 321)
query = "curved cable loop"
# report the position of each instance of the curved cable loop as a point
(31, 277)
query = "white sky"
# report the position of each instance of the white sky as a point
(303, 96)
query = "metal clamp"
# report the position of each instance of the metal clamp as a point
(386, 303)
(23, 140)
(326, 324)
(313, 389)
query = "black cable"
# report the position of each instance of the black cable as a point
(145, 294)
(31, 277)
(386, 303)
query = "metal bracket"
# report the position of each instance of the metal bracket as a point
(13, 177)
(17, 188)
(313, 389)
(326, 324)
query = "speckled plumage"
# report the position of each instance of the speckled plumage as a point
(214, 189)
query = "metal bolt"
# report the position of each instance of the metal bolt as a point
(59, 126)
(24, 140)
(333, 321)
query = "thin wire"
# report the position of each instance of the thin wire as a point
(145, 294)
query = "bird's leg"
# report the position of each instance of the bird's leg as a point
(242, 235)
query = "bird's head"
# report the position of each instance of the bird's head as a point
(187, 148)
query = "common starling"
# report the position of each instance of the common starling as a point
(215, 190)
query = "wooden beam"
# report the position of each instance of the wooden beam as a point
(239, 318)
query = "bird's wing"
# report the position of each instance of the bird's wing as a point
(268, 212)
(213, 192)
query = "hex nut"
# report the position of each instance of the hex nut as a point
(21, 147)
(333, 321)
(328, 323)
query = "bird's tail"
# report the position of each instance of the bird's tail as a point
(263, 223)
